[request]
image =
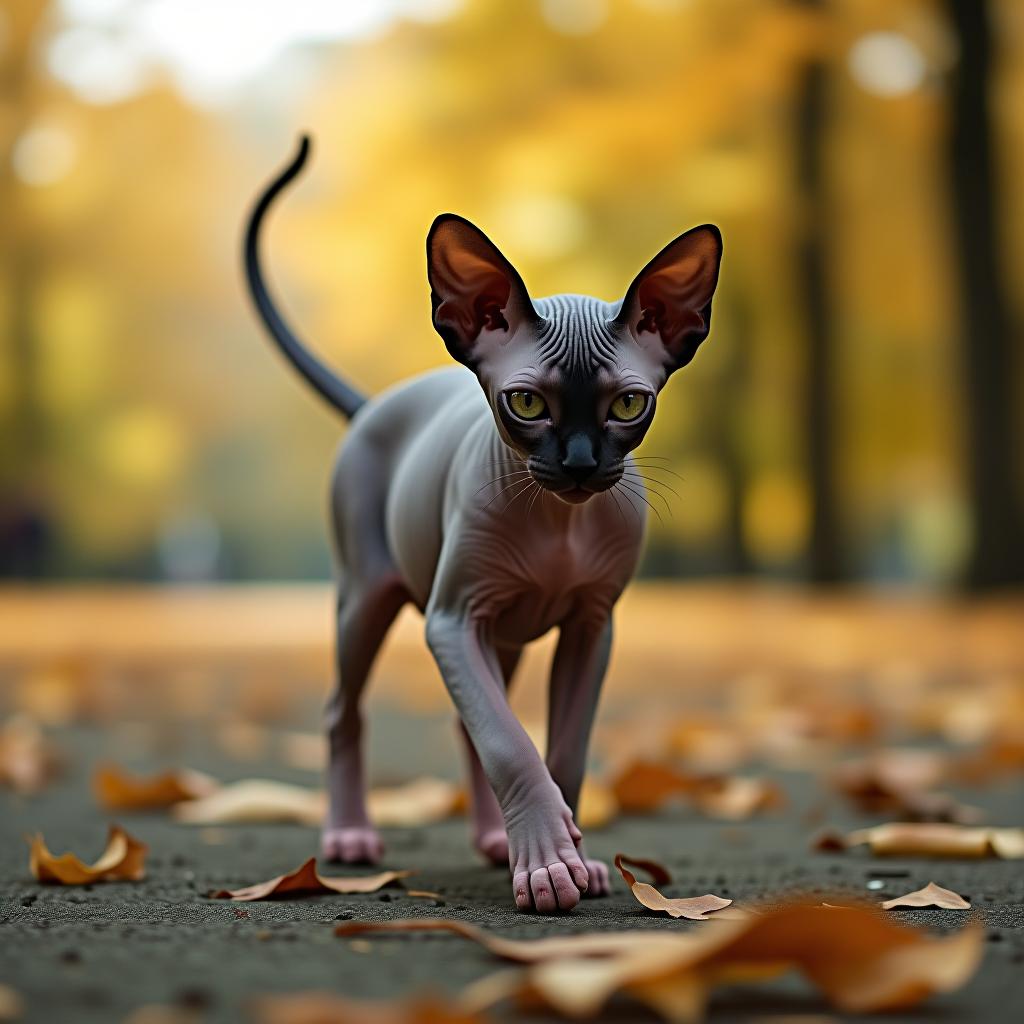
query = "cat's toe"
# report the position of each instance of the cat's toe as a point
(359, 844)
(493, 844)
(600, 878)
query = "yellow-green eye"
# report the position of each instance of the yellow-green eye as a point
(629, 406)
(527, 405)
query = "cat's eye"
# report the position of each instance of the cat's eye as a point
(527, 405)
(630, 405)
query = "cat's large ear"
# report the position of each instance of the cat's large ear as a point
(668, 306)
(477, 296)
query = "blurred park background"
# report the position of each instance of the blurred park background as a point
(857, 415)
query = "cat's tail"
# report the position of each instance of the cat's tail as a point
(338, 392)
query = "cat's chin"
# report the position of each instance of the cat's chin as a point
(574, 496)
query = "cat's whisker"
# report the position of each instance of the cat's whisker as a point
(533, 499)
(647, 488)
(611, 494)
(515, 497)
(504, 476)
(643, 497)
(654, 481)
(504, 490)
(656, 468)
(630, 500)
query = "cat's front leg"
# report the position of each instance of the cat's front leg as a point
(547, 870)
(581, 659)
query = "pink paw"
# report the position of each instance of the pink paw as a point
(493, 844)
(600, 880)
(352, 844)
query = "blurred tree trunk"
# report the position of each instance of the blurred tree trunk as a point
(825, 563)
(985, 331)
(23, 533)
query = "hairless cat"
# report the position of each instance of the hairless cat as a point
(498, 498)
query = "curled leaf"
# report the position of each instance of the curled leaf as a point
(646, 786)
(116, 790)
(931, 895)
(859, 959)
(695, 908)
(420, 802)
(122, 860)
(255, 801)
(28, 761)
(327, 1008)
(901, 782)
(933, 839)
(306, 881)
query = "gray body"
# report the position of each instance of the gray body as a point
(501, 500)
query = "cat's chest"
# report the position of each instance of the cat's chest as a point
(532, 579)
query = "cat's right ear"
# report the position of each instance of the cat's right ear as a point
(476, 295)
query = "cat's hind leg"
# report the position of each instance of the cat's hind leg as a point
(364, 614)
(371, 592)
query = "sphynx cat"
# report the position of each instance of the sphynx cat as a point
(499, 498)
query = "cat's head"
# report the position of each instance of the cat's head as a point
(572, 381)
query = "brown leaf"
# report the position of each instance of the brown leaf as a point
(306, 881)
(646, 786)
(11, 1004)
(695, 908)
(738, 798)
(255, 801)
(28, 761)
(931, 895)
(901, 782)
(327, 1008)
(932, 839)
(116, 790)
(860, 960)
(122, 860)
(420, 802)
(597, 805)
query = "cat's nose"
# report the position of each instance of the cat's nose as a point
(579, 462)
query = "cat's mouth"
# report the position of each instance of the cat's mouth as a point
(575, 495)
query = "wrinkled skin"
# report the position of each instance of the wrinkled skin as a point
(500, 526)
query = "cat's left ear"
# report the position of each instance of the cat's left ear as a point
(668, 306)
(477, 296)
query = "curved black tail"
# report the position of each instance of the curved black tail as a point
(341, 395)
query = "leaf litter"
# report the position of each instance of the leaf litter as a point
(931, 895)
(122, 860)
(117, 790)
(307, 881)
(859, 959)
(694, 908)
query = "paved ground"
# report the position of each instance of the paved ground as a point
(96, 954)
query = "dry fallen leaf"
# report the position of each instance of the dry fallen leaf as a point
(255, 801)
(306, 881)
(420, 802)
(860, 960)
(931, 895)
(11, 1004)
(597, 805)
(646, 786)
(901, 782)
(695, 908)
(116, 790)
(122, 860)
(28, 761)
(327, 1008)
(933, 839)
(738, 798)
